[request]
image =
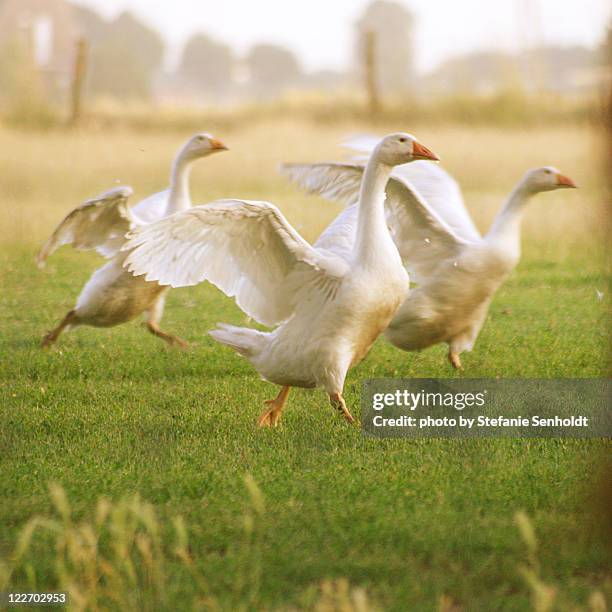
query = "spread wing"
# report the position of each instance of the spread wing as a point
(422, 237)
(442, 193)
(336, 181)
(437, 187)
(247, 249)
(152, 208)
(339, 236)
(100, 223)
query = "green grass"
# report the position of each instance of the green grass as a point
(112, 412)
(416, 525)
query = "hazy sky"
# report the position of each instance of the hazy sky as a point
(321, 31)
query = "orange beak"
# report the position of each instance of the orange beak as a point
(421, 152)
(217, 145)
(565, 181)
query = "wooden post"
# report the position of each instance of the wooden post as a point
(371, 79)
(78, 78)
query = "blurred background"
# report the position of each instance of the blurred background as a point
(63, 60)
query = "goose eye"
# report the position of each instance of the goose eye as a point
(402, 140)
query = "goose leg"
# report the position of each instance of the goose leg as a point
(53, 335)
(271, 417)
(454, 359)
(154, 317)
(337, 401)
(169, 338)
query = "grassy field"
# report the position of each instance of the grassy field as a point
(153, 487)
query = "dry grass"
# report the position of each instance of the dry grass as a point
(120, 559)
(28, 108)
(123, 558)
(45, 175)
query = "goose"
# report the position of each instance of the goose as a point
(112, 295)
(328, 303)
(456, 270)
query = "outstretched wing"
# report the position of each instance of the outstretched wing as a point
(340, 235)
(422, 237)
(247, 249)
(442, 193)
(151, 208)
(437, 187)
(100, 223)
(336, 181)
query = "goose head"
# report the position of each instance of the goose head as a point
(401, 148)
(201, 145)
(546, 178)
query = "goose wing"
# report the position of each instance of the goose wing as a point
(442, 193)
(151, 208)
(245, 248)
(422, 237)
(339, 237)
(437, 187)
(99, 223)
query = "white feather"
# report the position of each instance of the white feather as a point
(421, 235)
(245, 248)
(99, 223)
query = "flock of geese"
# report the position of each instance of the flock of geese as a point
(404, 221)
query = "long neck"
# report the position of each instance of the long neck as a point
(372, 231)
(179, 198)
(506, 229)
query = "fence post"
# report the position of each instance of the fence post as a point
(78, 78)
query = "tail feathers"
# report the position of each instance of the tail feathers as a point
(247, 342)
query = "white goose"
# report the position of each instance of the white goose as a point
(457, 271)
(112, 295)
(330, 303)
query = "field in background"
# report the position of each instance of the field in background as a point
(46, 174)
(508, 107)
(416, 525)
